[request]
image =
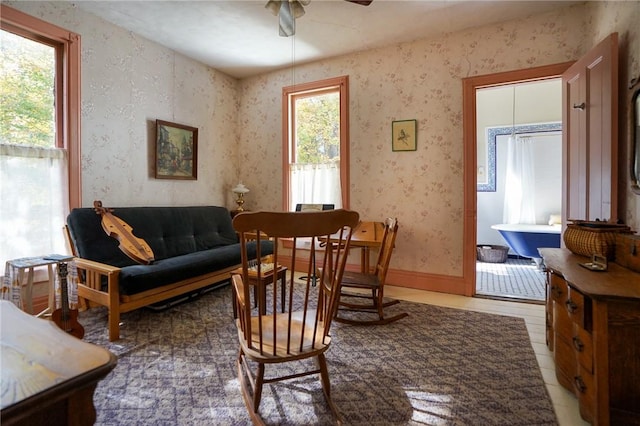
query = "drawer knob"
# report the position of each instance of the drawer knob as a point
(580, 385)
(555, 290)
(577, 344)
(571, 306)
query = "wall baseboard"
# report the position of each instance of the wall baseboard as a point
(429, 282)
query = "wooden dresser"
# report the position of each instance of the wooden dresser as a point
(593, 329)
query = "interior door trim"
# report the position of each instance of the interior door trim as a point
(469, 86)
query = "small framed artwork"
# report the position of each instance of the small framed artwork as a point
(176, 153)
(403, 135)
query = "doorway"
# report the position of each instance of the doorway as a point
(519, 190)
(470, 125)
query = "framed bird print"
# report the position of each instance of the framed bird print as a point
(403, 135)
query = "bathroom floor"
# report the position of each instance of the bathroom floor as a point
(516, 279)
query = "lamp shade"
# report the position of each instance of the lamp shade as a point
(240, 189)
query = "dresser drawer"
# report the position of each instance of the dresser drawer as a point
(562, 324)
(585, 389)
(583, 346)
(565, 359)
(579, 308)
(558, 288)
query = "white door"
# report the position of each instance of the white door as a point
(590, 139)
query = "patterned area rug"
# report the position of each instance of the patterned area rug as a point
(439, 366)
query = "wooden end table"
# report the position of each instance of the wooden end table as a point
(17, 285)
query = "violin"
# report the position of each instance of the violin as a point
(134, 247)
(65, 318)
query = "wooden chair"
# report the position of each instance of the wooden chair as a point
(300, 329)
(373, 282)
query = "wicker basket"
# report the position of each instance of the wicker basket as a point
(492, 254)
(587, 240)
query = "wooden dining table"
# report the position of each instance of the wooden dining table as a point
(367, 235)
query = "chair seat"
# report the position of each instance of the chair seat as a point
(310, 346)
(358, 279)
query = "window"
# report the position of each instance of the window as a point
(39, 134)
(316, 143)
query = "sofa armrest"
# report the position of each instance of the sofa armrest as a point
(91, 278)
(103, 268)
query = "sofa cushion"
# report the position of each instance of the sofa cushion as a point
(138, 278)
(169, 231)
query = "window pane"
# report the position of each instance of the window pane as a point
(315, 171)
(315, 146)
(33, 195)
(27, 91)
(33, 170)
(317, 129)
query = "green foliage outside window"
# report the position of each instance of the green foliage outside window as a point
(27, 97)
(318, 129)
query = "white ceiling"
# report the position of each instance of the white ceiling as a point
(240, 37)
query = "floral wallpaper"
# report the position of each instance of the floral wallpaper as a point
(422, 80)
(129, 81)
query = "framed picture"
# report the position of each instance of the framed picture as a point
(403, 135)
(176, 153)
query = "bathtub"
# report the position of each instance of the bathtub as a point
(524, 239)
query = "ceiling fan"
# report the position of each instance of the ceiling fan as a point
(289, 10)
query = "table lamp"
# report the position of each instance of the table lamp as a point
(240, 190)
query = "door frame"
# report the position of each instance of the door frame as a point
(469, 86)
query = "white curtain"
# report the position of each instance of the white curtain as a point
(33, 201)
(315, 184)
(519, 200)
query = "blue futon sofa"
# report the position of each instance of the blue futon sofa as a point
(194, 247)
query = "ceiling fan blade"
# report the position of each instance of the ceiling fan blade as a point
(360, 2)
(287, 12)
(273, 6)
(296, 8)
(287, 21)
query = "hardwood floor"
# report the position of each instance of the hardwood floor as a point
(564, 403)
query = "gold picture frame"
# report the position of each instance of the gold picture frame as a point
(176, 151)
(403, 135)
